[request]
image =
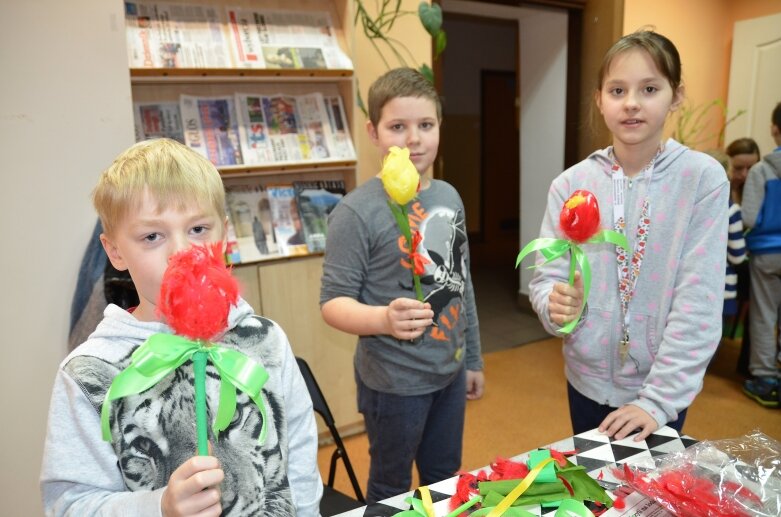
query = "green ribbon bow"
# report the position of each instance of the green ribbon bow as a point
(554, 248)
(163, 353)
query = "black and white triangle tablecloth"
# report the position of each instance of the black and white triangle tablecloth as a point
(594, 450)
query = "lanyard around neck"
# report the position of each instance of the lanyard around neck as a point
(629, 272)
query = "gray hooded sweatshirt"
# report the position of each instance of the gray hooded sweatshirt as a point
(675, 314)
(153, 432)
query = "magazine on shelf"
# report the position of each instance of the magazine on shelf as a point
(253, 130)
(314, 124)
(340, 132)
(288, 228)
(158, 120)
(250, 213)
(174, 35)
(266, 38)
(280, 113)
(315, 200)
(211, 128)
(232, 255)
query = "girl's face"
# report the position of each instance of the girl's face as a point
(739, 166)
(635, 99)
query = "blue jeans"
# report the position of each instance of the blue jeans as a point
(425, 428)
(587, 414)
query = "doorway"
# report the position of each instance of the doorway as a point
(480, 136)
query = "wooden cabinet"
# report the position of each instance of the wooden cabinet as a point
(284, 289)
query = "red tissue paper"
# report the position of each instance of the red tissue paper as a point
(197, 293)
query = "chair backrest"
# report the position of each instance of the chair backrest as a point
(321, 408)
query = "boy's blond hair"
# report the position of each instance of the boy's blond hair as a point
(171, 172)
(400, 82)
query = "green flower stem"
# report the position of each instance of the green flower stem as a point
(201, 422)
(572, 267)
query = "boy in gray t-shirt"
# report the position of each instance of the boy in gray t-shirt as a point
(416, 362)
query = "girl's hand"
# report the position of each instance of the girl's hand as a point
(565, 300)
(193, 489)
(408, 318)
(627, 419)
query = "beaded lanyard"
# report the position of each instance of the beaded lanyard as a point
(629, 273)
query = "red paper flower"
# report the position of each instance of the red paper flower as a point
(197, 293)
(579, 219)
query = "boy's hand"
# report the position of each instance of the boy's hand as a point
(192, 489)
(565, 300)
(625, 420)
(475, 383)
(408, 318)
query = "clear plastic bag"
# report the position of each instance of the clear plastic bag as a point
(739, 477)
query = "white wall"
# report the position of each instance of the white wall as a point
(543, 56)
(65, 112)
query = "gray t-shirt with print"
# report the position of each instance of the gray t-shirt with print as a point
(366, 260)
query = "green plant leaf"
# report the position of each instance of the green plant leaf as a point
(427, 72)
(440, 42)
(430, 17)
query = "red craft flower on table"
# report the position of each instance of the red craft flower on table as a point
(197, 293)
(579, 219)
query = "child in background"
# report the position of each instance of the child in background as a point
(743, 154)
(157, 198)
(416, 362)
(762, 214)
(736, 245)
(636, 359)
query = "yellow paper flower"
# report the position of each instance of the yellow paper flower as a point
(399, 176)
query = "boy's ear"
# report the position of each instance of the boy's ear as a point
(372, 131)
(113, 253)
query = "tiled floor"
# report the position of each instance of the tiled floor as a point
(502, 323)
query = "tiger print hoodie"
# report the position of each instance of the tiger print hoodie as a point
(153, 432)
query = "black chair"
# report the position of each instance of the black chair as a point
(333, 501)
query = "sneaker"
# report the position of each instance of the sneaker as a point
(764, 390)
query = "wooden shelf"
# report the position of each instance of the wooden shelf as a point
(212, 75)
(230, 171)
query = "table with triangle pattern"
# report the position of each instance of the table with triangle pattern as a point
(594, 450)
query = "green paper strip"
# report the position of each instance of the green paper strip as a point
(161, 354)
(402, 221)
(547, 474)
(573, 508)
(201, 430)
(554, 248)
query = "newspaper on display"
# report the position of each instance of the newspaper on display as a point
(211, 128)
(158, 120)
(172, 35)
(284, 39)
(175, 35)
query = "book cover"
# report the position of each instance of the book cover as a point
(232, 255)
(249, 210)
(158, 120)
(315, 200)
(288, 228)
(211, 128)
